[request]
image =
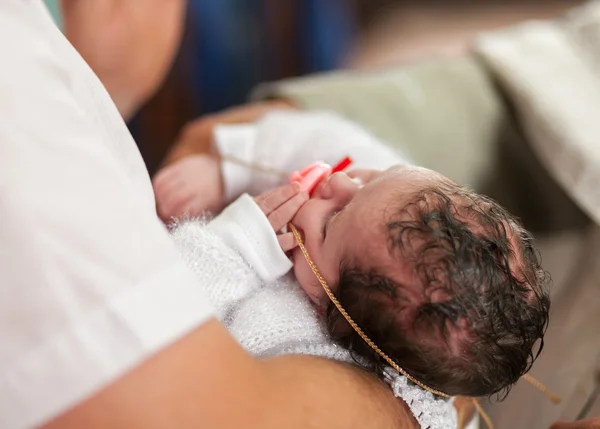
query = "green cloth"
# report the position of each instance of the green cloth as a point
(450, 116)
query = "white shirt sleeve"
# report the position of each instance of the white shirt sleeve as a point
(90, 282)
(233, 255)
(245, 228)
(290, 140)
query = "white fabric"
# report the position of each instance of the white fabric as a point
(236, 141)
(275, 318)
(244, 227)
(90, 281)
(289, 140)
(551, 72)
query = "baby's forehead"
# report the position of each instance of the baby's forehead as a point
(392, 212)
(417, 176)
(410, 195)
(366, 237)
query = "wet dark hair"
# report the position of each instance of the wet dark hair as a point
(472, 320)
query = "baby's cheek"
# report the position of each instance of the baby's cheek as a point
(308, 282)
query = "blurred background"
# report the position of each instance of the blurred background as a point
(229, 46)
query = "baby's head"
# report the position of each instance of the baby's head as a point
(442, 279)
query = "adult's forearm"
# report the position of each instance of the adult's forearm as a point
(207, 380)
(130, 44)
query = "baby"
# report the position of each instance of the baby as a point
(441, 279)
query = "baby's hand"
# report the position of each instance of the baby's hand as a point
(189, 186)
(280, 205)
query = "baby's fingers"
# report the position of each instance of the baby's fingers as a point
(285, 212)
(272, 200)
(287, 241)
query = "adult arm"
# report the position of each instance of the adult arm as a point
(129, 44)
(206, 380)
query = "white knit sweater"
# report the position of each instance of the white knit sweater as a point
(263, 307)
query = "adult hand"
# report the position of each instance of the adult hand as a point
(197, 136)
(191, 186)
(593, 423)
(280, 205)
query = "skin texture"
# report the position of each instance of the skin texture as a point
(180, 189)
(130, 47)
(280, 205)
(185, 386)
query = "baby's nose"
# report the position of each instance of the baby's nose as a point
(343, 188)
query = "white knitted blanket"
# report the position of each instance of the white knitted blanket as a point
(278, 318)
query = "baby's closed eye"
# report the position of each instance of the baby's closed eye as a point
(327, 221)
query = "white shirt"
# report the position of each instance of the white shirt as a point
(90, 282)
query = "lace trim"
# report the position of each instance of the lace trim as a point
(429, 411)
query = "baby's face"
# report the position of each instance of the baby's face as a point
(345, 222)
